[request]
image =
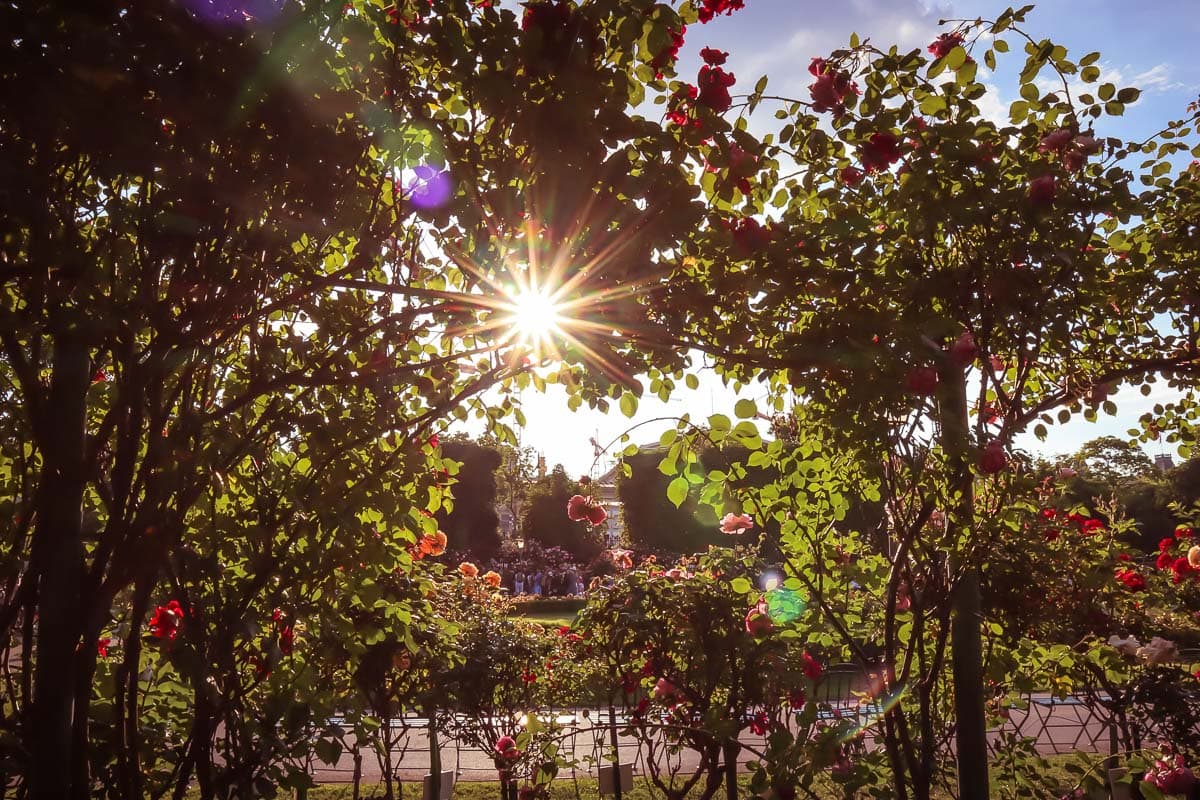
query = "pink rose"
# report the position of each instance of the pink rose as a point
(734, 524)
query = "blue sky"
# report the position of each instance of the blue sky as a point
(1150, 45)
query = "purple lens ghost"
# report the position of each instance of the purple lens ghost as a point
(235, 12)
(430, 188)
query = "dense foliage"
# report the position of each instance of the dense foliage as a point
(236, 317)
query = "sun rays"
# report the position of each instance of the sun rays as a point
(542, 304)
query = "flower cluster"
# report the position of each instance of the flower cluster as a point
(1171, 775)
(713, 8)
(1055, 523)
(670, 53)
(1073, 148)
(832, 87)
(622, 559)
(1182, 567)
(749, 236)
(1133, 580)
(284, 630)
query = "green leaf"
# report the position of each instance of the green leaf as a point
(745, 409)
(741, 585)
(677, 491)
(1128, 96)
(629, 404)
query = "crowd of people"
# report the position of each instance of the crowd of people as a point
(539, 571)
(542, 582)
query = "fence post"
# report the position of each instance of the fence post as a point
(616, 745)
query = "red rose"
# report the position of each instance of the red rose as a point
(577, 508)
(1056, 141)
(1043, 190)
(880, 151)
(812, 668)
(166, 621)
(993, 458)
(596, 515)
(713, 84)
(964, 350)
(851, 176)
(922, 380)
(758, 620)
(942, 45)
(679, 106)
(749, 237)
(1132, 580)
(713, 57)
(506, 748)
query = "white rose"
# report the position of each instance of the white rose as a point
(1126, 647)
(1158, 651)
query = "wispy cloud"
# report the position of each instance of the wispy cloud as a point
(1158, 79)
(802, 31)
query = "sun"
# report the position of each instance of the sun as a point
(536, 316)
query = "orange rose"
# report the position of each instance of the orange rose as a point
(492, 579)
(469, 570)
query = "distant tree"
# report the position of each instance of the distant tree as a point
(1114, 460)
(545, 518)
(652, 522)
(1147, 501)
(514, 477)
(473, 525)
(1185, 482)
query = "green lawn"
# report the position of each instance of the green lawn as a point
(587, 789)
(552, 619)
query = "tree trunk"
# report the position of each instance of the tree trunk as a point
(58, 559)
(966, 636)
(731, 753)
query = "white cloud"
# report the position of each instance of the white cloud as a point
(1155, 80)
(783, 42)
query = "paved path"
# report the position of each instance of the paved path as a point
(1059, 727)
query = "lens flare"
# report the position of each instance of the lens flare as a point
(871, 710)
(785, 605)
(429, 188)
